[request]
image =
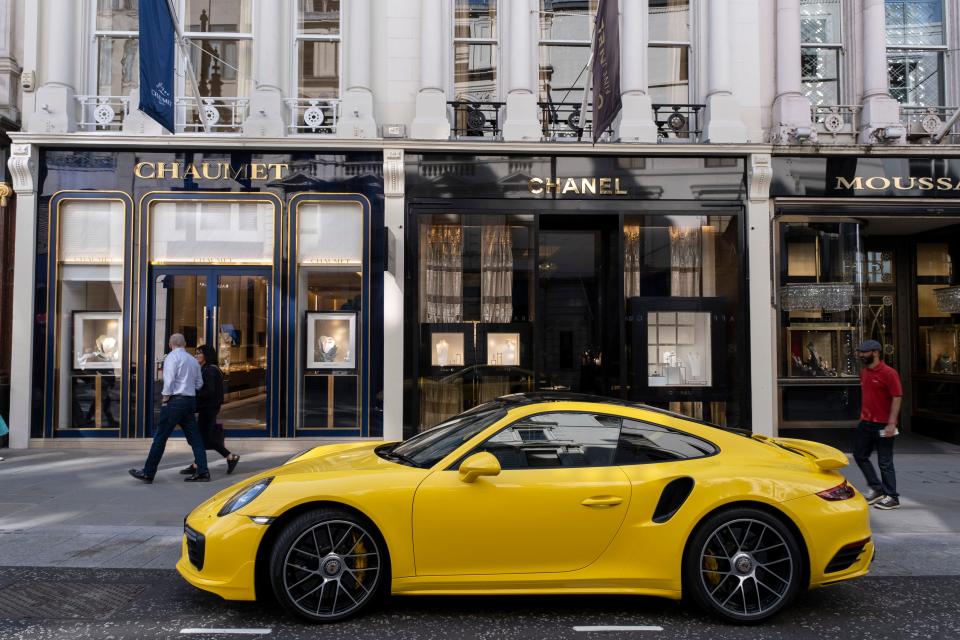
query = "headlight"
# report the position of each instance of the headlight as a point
(297, 455)
(245, 496)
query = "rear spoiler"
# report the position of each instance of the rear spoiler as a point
(824, 456)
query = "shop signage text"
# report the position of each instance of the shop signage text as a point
(211, 170)
(881, 183)
(580, 186)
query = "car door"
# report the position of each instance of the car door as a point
(556, 504)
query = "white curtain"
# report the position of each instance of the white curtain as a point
(443, 262)
(631, 260)
(686, 259)
(496, 274)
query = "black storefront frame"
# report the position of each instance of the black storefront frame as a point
(417, 207)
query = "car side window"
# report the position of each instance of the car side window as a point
(642, 443)
(560, 439)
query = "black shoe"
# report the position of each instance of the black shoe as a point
(232, 463)
(188, 471)
(198, 477)
(140, 475)
(871, 495)
(887, 503)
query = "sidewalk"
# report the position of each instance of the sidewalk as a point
(79, 508)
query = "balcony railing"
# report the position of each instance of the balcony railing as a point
(562, 121)
(679, 123)
(923, 122)
(481, 119)
(223, 115)
(102, 113)
(836, 120)
(313, 116)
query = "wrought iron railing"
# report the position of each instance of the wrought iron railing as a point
(923, 122)
(562, 121)
(481, 119)
(836, 119)
(678, 122)
(102, 113)
(313, 115)
(223, 115)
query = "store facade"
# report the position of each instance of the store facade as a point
(622, 277)
(867, 248)
(274, 258)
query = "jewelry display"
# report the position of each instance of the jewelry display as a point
(678, 349)
(447, 349)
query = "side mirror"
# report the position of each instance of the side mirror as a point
(479, 464)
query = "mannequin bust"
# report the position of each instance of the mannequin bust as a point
(510, 353)
(443, 352)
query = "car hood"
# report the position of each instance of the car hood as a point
(353, 456)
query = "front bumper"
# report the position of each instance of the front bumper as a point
(229, 551)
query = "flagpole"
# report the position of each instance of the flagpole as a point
(189, 66)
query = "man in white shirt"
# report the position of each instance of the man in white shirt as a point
(181, 380)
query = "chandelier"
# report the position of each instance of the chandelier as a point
(948, 299)
(829, 296)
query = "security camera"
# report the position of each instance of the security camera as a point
(28, 81)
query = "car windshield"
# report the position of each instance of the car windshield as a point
(430, 447)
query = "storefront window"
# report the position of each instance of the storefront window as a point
(668, 61)
(475, 38)
(89, 317)
(318, 49)
(191, 231)
(330, 357)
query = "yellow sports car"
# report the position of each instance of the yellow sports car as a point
(538, 494)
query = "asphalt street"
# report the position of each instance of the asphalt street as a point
(142, 604)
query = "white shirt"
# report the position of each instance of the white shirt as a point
(181, 374)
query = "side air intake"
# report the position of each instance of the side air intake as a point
(674, 495)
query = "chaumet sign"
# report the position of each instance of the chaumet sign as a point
(211, 170)
(580, 186)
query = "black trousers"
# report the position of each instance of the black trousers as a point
(212, 436)
(866, 439)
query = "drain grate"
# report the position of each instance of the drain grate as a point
(66, 600)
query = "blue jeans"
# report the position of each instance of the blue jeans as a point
(867, 439)
(178, 410)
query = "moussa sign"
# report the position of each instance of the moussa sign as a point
(865, 177)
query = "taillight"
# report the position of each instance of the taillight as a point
(840, 492)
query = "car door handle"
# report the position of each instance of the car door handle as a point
(602, 501)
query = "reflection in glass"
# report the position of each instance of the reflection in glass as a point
(821, 75)
(118, 15)
(669, 20)
(224, 16)
(820, 21)
(475, 71)
(211, 231)
(475, 19)
(318, 69)
(222, 67)
(916, 77)
(179, 306)
(241, 327)
(914, 22)
(118, 70)
(318, 17)
(668, 68)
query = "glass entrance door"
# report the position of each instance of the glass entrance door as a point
(227, 308)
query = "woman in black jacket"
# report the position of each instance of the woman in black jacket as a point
(209, 401)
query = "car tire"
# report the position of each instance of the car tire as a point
(329, 564)
(742, 565)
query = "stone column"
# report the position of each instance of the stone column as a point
(430, 121)
(56, 110)
(636, 119)
(393, 320)
(763, 316)
(879, 109)
(267, 116)
(23, 173)
(356, 104)
(522, 120)
(791, 109)
(723, 119)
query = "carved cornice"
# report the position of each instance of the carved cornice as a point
(393, 178)
(759, 176)
(23, 168)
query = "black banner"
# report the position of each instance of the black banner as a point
(606, 67)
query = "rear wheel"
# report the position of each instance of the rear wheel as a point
(327, 565)
(743, 565)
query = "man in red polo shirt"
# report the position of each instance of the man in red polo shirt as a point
(881, 396)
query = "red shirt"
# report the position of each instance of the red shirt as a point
(879, 386)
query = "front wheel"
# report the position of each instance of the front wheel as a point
(743, 565)
(327, 565)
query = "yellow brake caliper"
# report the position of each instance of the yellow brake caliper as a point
(711, 565)
(361, 561)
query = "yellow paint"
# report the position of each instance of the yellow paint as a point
(545, 531)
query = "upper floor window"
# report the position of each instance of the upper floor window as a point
(821, 38)
(118, 61)
(668, 60)
(916, 43)
(565, 30)
(475, 37)
(318, 49)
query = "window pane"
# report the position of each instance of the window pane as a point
(204, 232)
(914, 22)
(225, 16)
(475, 72)
(318, 67)
(566, 19)
(916, 77)
(669, 76)
(117, 15)
(641, 442)
(821, 80)
(330, 233)
(556, 440)
(475, 19)
(820, 21)
(91, 231)
(118, 66)
(319, 17)
(562, 73)
(670, 20)
(217, 79)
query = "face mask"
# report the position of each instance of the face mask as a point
(866, 360)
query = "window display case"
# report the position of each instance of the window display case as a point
(678, 349)
(503, 349)
(447, 349)
(818, 350)
(940, 345)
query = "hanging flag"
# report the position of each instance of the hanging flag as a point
(606, 67)
(156, 62)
